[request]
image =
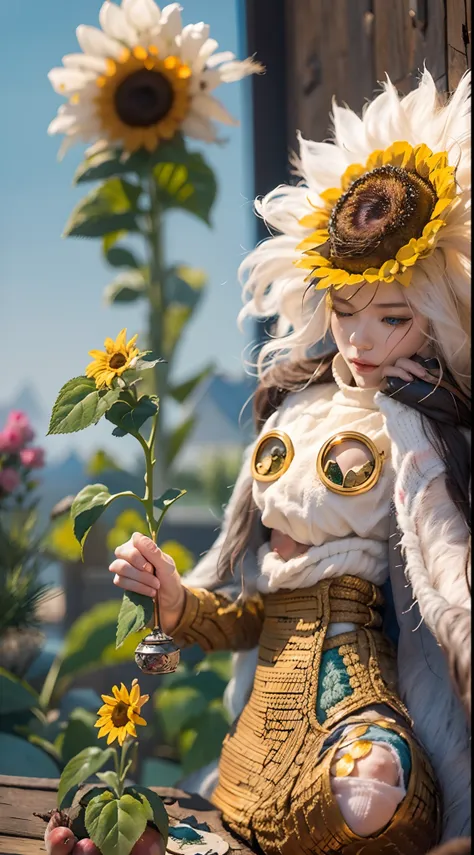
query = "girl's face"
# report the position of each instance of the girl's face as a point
(373, 326)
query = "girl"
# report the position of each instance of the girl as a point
(333, 747)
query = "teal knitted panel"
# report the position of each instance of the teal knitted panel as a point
(333, 684)
(382, 734)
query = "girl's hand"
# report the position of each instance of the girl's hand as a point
(142, 567)
(408, 369)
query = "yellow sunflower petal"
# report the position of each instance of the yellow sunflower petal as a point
(98, 354)
(355, 278)
(309, 242)
(122, 734)
(105, 708)
(422, 153)
(331, 277)
(103, 720)
(443, 182)
(432, 228)
(389, 268)
(143, 700)
(114, 733)
(352, 173)
(404, 276)
(438, 160)
(316, 220)
(121, 340)
(440, 207)
(116, 692)
(372, 274)
(124, 696)
(134, 694)
(399, 154)
(109, 345)
(105, 729)
(130, 728)
(331, 195)
(408, 254)
(307, 262)
(137, 719)
(374, 160)
(132, 341)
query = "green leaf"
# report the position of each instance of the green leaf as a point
(113, 162)
(168, 498)
(20, 757)
(111, 207)
(126, 288)
(177, 707)
(81, 767)
(79, 405)
(175, 319)
(135, 613)
(130, 416)
(187, 183)
(15, 694)
(181, 391)
(80, 733)
(120, 256)
(185, 285)
(158, 812)
(109, 778)
(89, 504)
(178, 438)
(101, 461)
(115, 825)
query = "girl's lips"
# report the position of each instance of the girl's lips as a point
(363, 367)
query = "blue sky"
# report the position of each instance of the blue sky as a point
(52, 309)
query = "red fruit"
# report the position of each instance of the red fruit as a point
(86, 846)
(59, 841)
(150, 843)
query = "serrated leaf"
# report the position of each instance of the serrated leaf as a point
(111, 207)
(187, 183)
(115, 825)
(113, 162)
(168, 498)
(81, 767)
(96, 167)
(120, 256)
(79, 405)
(130, 416)
(181, 390)
(135, 613)
(87, 507)
(178, 437)
(158, 812)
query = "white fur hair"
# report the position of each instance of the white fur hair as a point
(440, 288)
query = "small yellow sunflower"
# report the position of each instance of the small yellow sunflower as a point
(383, 218)
(120, 713)
(118, 355)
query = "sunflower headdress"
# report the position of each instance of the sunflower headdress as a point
(387, 200)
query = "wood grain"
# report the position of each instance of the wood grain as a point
(458, 27)
(21, 833)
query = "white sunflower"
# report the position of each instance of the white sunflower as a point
(391, 189)
(141, 78)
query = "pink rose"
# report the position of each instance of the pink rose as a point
(11, 439)
(32, 458)
(9, 479)
(19, 420)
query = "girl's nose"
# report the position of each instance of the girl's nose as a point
(360, 340)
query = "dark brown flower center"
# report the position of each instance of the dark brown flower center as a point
(118, 360)
(378, 215)
(119, 715)
(144, 98)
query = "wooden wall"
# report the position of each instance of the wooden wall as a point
(342, 48)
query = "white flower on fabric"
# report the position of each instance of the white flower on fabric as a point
(141, 78)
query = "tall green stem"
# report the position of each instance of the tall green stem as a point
(157, 298)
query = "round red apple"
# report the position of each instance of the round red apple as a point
(59, 841)
(86, 846)
(150, 843)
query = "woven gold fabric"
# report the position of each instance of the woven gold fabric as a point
(216, 623)
(274, 774)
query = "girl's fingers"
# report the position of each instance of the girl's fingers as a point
(411, 367)
(394, 371)
(127, 552)
(151, 552)
(126, 571)
(137, 587)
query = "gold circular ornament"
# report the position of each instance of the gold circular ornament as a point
(359, 478)
(272, 456)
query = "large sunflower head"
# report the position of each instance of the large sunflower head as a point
(383, 218)
(120, 713)
(142, 77)
(107, 366)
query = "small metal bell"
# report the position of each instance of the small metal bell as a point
(157, 653)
